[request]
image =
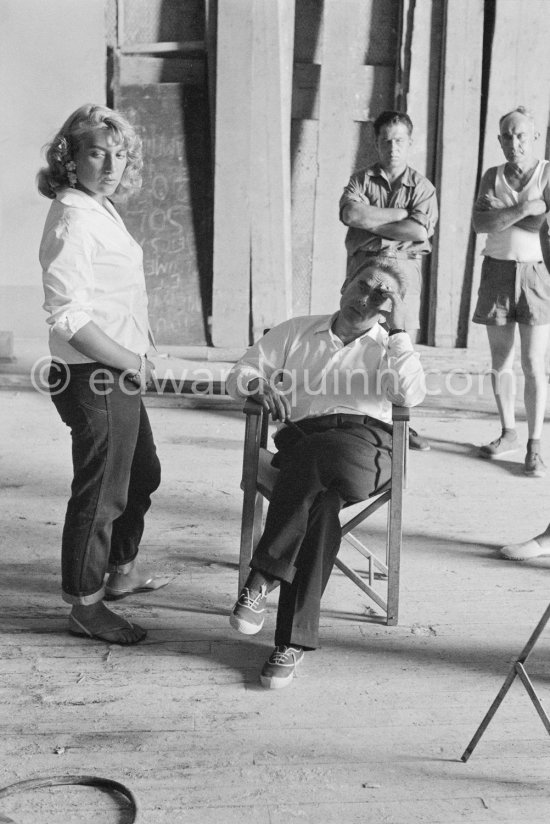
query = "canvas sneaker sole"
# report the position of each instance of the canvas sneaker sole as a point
(523, 552)
(277, 681)
(535, 473)
(272, 682)
(493, 456)
(243, 626)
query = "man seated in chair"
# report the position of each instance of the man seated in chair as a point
(330, 381)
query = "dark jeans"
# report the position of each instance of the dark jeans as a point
(116, 469)
(319, 472)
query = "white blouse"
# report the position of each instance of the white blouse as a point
(92, 270)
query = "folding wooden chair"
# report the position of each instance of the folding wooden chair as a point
(257, 483)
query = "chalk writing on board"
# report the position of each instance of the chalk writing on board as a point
(167, 217)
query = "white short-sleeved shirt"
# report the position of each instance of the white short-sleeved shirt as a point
(92, 270)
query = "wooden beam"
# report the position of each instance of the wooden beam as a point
(519, 75)
(231, 279)
(269, 185)
(341, 33)
(457, 159)
(418, 93)
(210, 28)
(190, 47)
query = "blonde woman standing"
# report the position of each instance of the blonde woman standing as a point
(99, 335)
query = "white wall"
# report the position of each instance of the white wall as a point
(52, 60)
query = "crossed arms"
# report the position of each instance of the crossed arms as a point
(392, 223)
(491, 214)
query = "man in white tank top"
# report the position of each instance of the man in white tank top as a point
(515, 284)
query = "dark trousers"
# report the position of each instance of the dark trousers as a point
(319, 472)
(116, 469)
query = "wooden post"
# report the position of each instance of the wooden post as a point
(413, 93)
(341, 33)
(252, 247)
(418, 95)
(457, 159)
(210, 25)
(269, 186)
(231, 283)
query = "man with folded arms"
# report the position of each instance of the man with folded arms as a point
(515, 284)
(330, 381)
(391, 212)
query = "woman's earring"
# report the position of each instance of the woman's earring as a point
(70, 168)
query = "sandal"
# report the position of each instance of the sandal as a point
(109, 634)
(150, 585)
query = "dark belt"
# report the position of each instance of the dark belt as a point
(293, 431)
(324, 422)
(340, 420)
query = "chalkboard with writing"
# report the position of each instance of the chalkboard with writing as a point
(171, 217)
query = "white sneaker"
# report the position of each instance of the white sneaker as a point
(525, 551)
(280, 668)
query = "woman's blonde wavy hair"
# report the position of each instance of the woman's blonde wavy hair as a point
(64, 146)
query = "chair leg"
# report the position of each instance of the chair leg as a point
(251, 521)
(395, 518)
(250, 534)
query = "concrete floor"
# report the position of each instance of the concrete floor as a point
(374, 727)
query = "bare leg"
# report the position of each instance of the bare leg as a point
(130, 579)
(534, 342)
(96, 621)
(501, 343)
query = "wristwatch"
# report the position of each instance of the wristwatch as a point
(142, 372)
(396, 331)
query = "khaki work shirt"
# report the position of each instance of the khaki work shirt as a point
(414, 193)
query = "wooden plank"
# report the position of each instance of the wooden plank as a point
(336, 103)
(231, 279)
(519, 75)
(456, 166)
(191, 46)
(304, 137)
(373, 88)
(520, 70)
(210, 29)
(305, 91)
(142, 69)
(418, 93)
(269, 166)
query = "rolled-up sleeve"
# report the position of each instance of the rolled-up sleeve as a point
(66, 257)
(402, 378)
(354, 192)
(265, 359)
(423, 208)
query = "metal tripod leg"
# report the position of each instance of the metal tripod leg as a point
(517, 669)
